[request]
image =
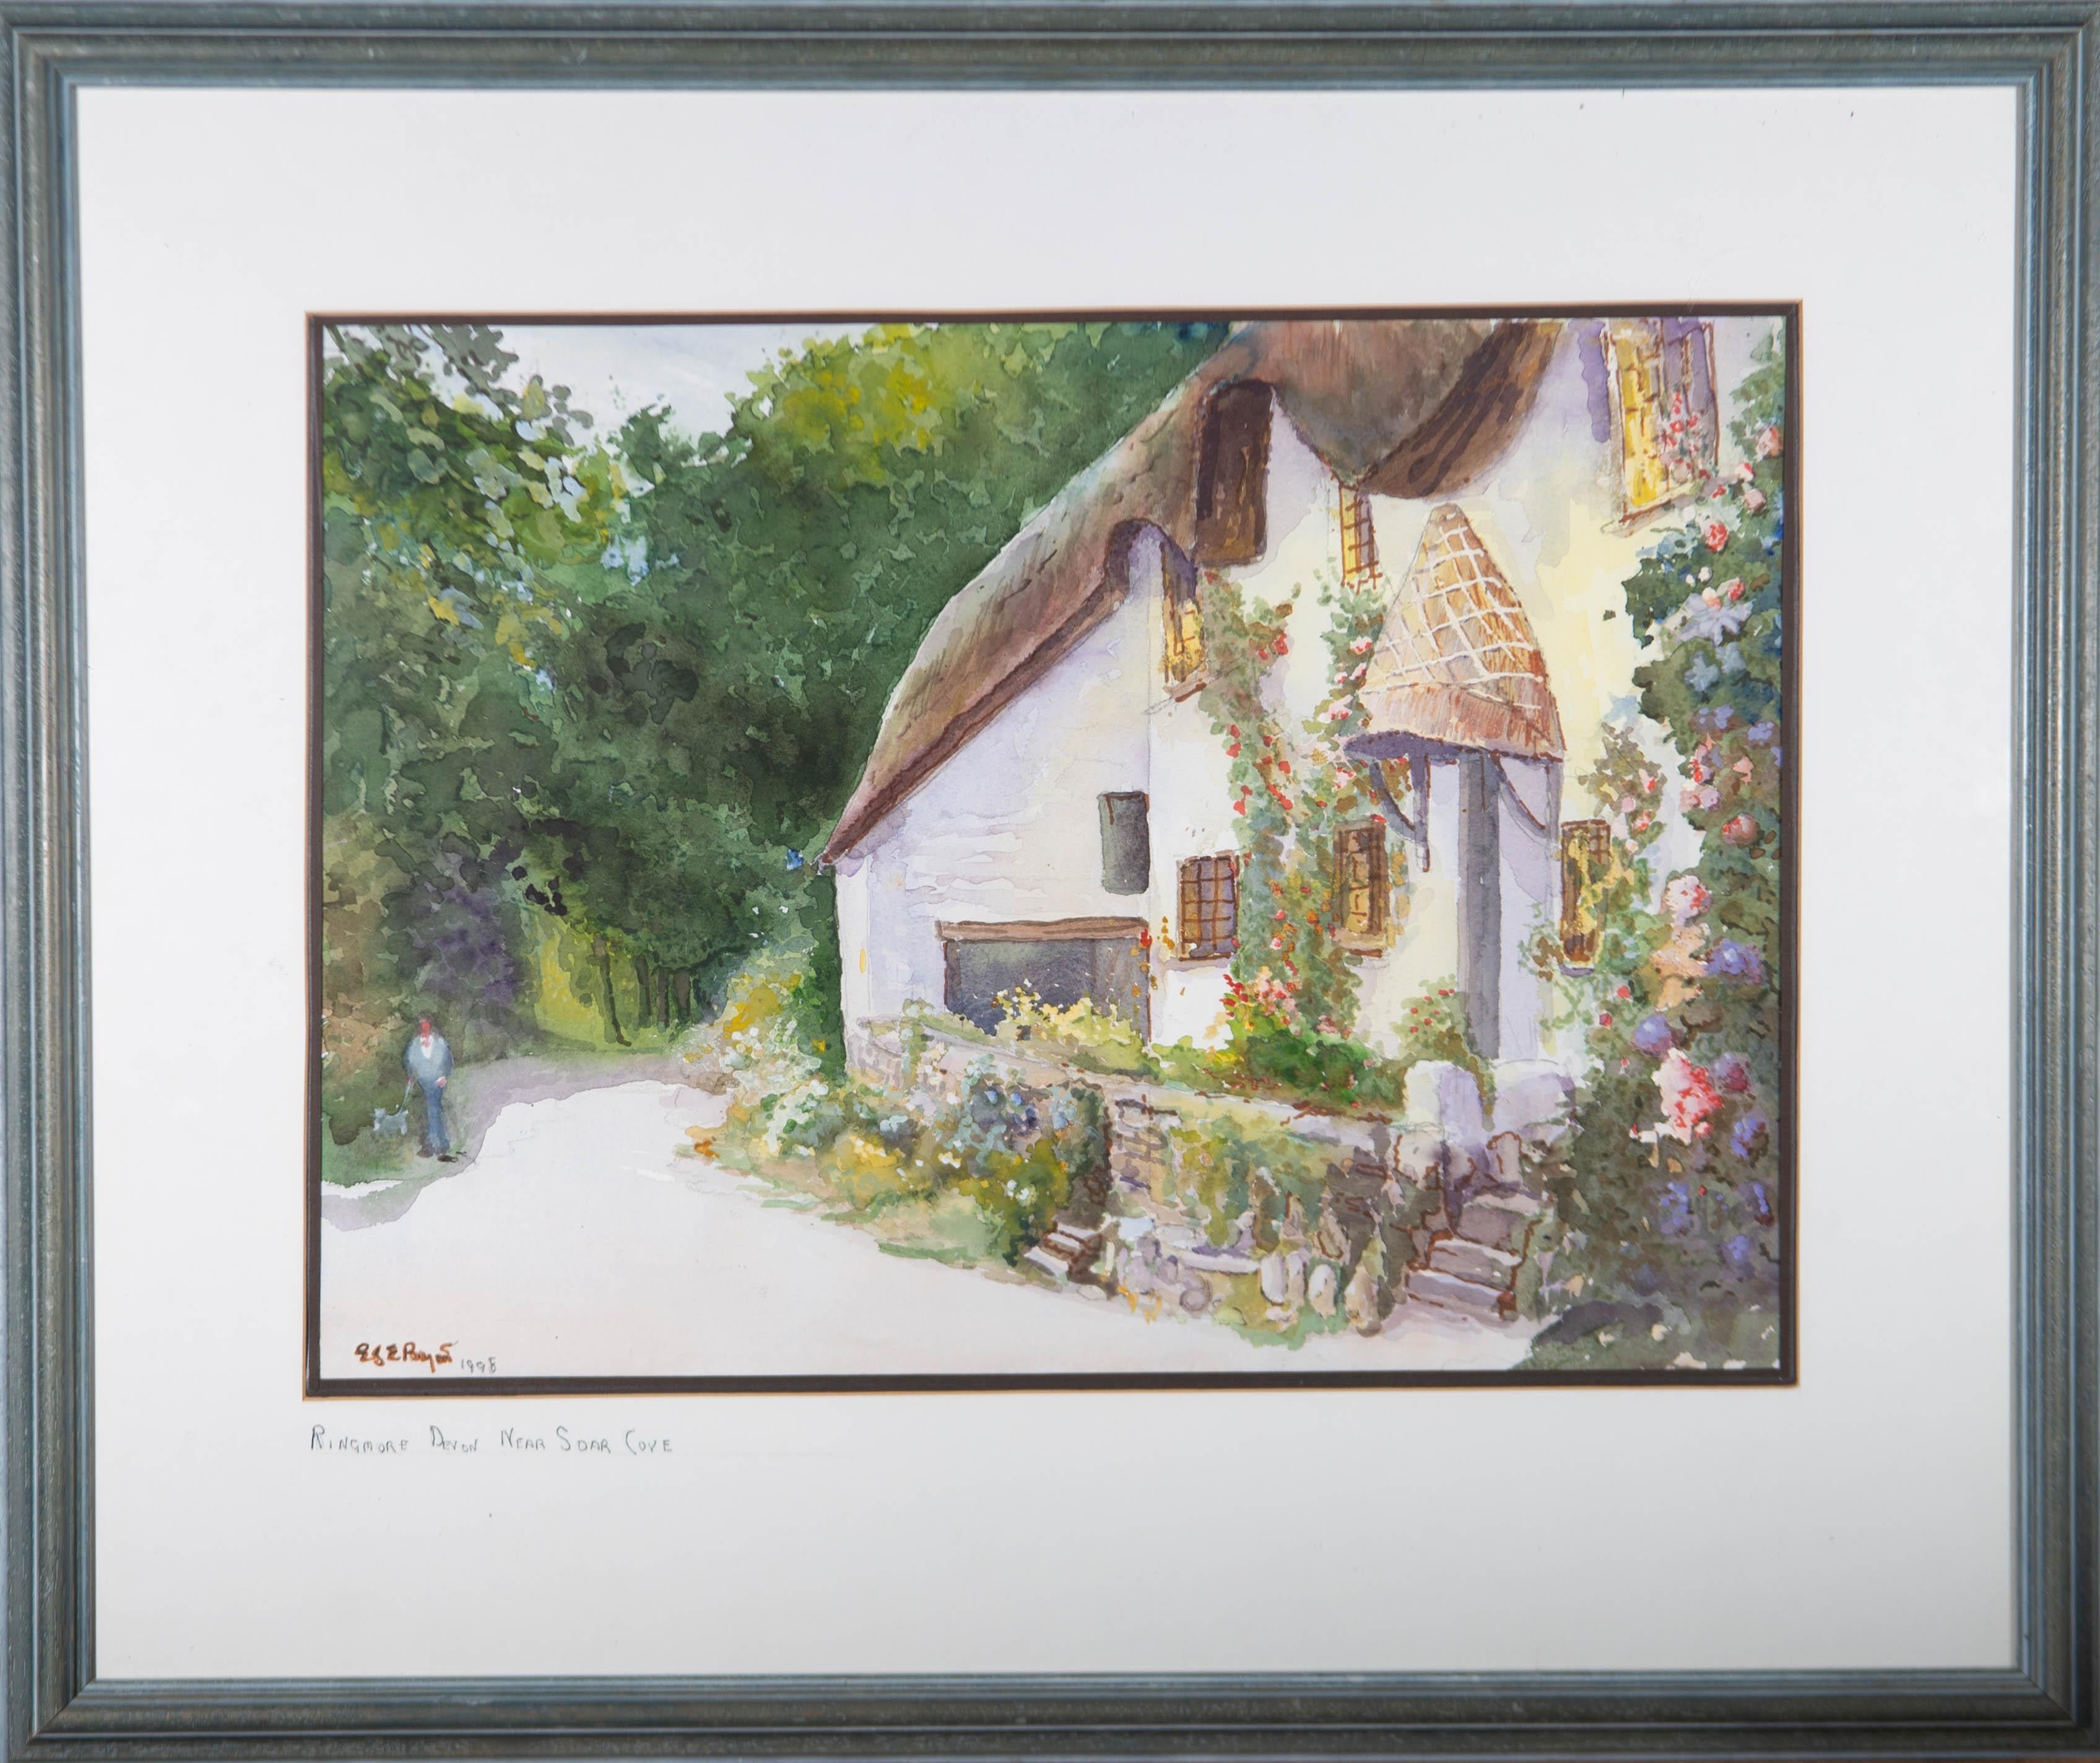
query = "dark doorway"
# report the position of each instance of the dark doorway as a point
(1480, 900)
(1061, 962)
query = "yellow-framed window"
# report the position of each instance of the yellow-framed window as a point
(1633, 349)
(1585, 855)
(1359, 541)
(1184, 605)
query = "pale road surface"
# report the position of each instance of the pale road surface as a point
(583, 1241)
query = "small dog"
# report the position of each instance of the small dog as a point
(386, 1125)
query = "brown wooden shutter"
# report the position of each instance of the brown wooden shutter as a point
(1232, 475)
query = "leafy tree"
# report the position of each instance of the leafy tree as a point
(629, 685)
(768, 591)
(456, 510)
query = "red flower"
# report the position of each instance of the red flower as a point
(1716, 535)
(1604, 1018)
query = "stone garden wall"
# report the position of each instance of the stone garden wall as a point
(1436, 1206)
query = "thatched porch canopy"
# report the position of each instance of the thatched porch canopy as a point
(1397, 407)
(1456, 666)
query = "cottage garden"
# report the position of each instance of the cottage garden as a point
(1295, 1180)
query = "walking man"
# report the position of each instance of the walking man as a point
(428, 1061)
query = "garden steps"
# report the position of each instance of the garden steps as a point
(1474, 1268)
(1475, 1262)
(1500, 1220)
(1069, 1251)
(1427, 1285)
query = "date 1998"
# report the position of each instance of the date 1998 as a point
(408, 1353)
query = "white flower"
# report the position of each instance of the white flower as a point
(1686, 896)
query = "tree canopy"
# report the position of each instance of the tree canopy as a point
(599, 694)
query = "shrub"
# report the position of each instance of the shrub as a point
(1272, 1052)
(1019, 1153)
(1094, 1039)
(1433, 1026)
(1229, 1172)
(1016, 1155)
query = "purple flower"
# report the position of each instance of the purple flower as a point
(1761, 1206)
(1761, 735)
(1732, 959)
(1672, 1210)
(1731, 1072)
(1653, 1037)
(1751, 1132)
(1739, 1257)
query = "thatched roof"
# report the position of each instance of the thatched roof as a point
(1457, 664)
(1398, 407)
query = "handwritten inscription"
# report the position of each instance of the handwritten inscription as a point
(403, 1353)
(561, 1440)
(408, 1353)
(356, 1445)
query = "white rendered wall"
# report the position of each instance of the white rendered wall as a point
(1191, 804)
(1007, 830)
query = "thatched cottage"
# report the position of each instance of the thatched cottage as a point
(1047, 793)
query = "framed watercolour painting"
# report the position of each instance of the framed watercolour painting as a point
(1275, 824)
(803, 806)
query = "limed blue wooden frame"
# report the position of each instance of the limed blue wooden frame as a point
(54, 1705)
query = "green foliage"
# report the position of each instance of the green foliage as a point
(1291, 993)
(1433, 1026)
(1271, 1051)
(1667, 1198)
(630, 683)
(456, 511)
(1094, 1039)
(1232, 1168)
(1730, 1329)
(1021, 1151)
(1002, 1160)
(779, 576)
(1293, 791)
